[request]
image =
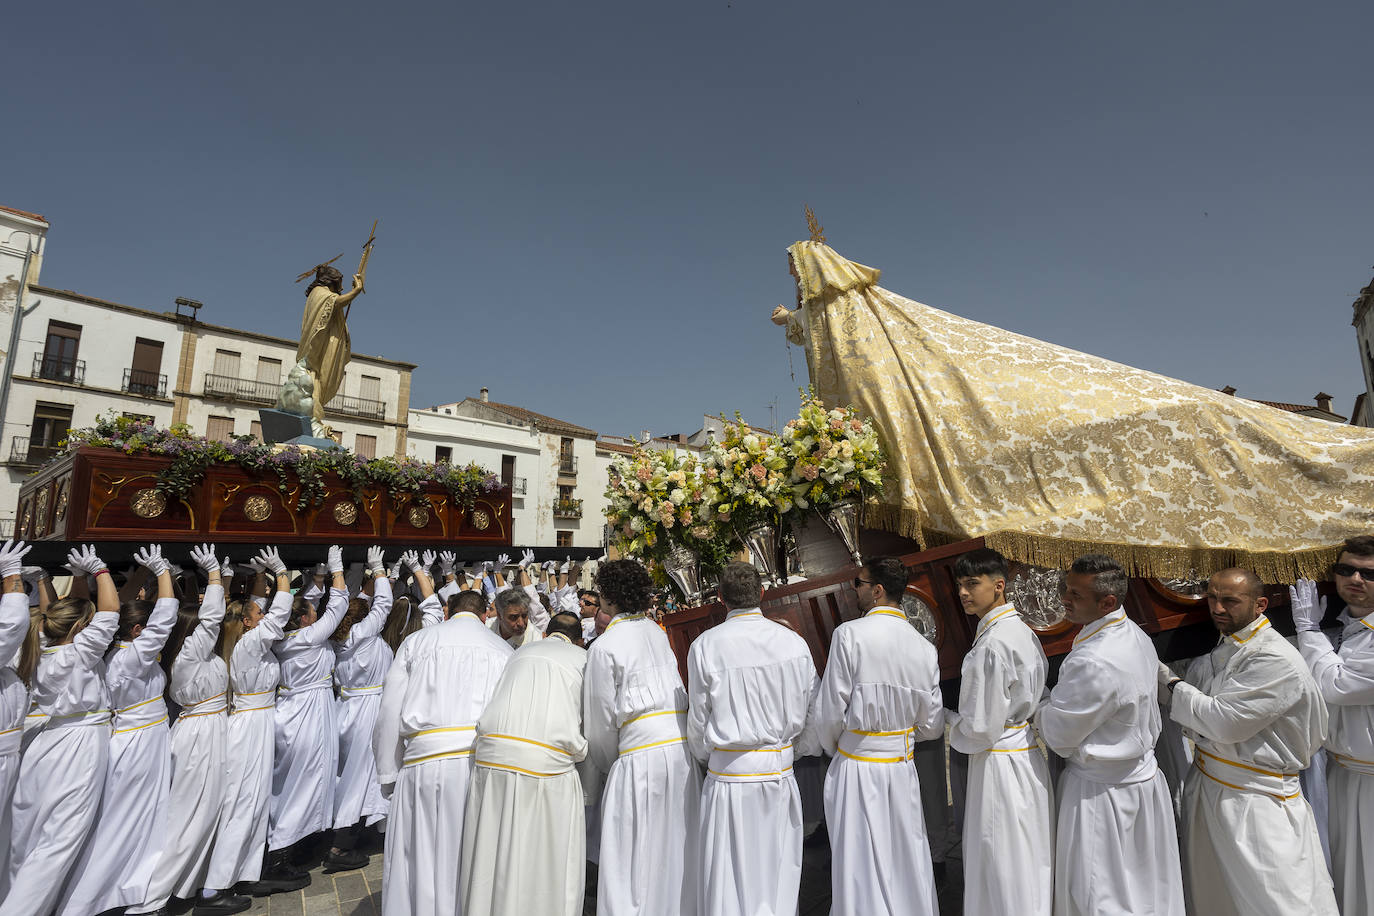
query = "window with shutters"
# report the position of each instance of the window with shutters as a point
(227, 363)
(50, 425)
(370, 388)
(269, 370)
(59, 361)
(255, 430)
(366, 446)
(564, 538)
(220, 428)
(144, 375)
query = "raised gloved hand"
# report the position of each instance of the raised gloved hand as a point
(395, 571)
(270, 558)
(567, 565)
(12, 558)
(526, 558)
(446, 560)
(502, 562)
(376, 560)
(411, 559)
(83, 559)
(1308, 608)
(335, 559)
(226, 570)
(151, 559)
(257, 565)
(550, 565)
(427, 560)
(204, 557)
(486, 567)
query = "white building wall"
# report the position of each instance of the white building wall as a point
(485, 442)
(21, 246)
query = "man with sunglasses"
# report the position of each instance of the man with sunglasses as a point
(1346, 680)
(880, 695)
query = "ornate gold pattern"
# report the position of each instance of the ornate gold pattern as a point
(257, 508)
(25, 516)
(480, 519)
(63, 494)
(148, 503)
(40, 515)
(346, 513)
(1050, 453)
(813, 225)
(418, 517)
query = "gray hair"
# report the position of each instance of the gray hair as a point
(509, 598)
(1108, 576)
(740, 586)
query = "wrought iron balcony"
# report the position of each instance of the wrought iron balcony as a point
(517, 486)
(6, 527)
(22, 452)
(231, 388)
(144, 382)
(59, 369)
(567, 508)
(357, 407)
(567, 464)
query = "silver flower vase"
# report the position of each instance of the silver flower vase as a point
(762, 541)
(684, 567)
(843, 519)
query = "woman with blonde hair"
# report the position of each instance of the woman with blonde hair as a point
(361, 662)
(14, 693)
(305, 766)
(249, 635)
(62, 773)
(117, 864)
(198, 685)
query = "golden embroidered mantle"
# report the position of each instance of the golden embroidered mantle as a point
(1049, 453)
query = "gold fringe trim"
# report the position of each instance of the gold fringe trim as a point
(1273, 567)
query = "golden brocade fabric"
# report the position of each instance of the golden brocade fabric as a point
(1049, 453)
(325, 344)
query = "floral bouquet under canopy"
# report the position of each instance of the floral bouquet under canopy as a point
(658, 498)
(832, 455)
(751, 477)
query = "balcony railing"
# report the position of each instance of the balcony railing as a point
(22, 452)
(567, 508)
(6, 527)
(59, 369)
(567, 464)
(144, 382)
(517, 486)
(232, 388)
(357, 407)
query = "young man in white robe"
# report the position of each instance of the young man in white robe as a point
(523, 831)
(1009, 811)
(1256, 716)
(1116, 843)
(751, 683)
(1346, 680)
(634, 711)
(435, 691)
(879, 696)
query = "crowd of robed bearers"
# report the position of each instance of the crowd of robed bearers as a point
(158, 749)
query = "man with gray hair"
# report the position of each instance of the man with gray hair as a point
(512, 618)
(1115, 847)
(1256, 717)
(750, 683)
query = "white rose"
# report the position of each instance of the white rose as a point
(677, 497)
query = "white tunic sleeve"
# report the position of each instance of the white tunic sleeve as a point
(1346, 679)
(832, 702)
(90, 644)
(539, 616)
(200, 644)
(319, 632)
(14, 623)
(1084, 698)
(1259, 690)
(155, 632)
(699, 705)
(598, 710)
(432, 611)
(984, 701)
(377, 613)
(387, 746)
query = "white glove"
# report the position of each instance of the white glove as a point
(486, 567)
(204, 555)
(226, 570)
(567, 565)
(1308, 609)
(502, 561)
(257, 565)
(1165, 674)
(335, 559)
(270, 558)
(376, 559)
(411, 559)
(395, 571)
(526, 558)
(550, 565)
(83, 559)
(446, 560)
(12, 558)
(34, 574)
(151, 559)
(427, 560)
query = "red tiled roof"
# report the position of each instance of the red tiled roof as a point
(23, 213)
(541, 421)
(1299, 408)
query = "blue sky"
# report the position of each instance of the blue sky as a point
(584, 207)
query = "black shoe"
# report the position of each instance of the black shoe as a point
(221, 904)
(272, 884)
(344, 860)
